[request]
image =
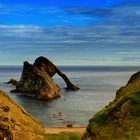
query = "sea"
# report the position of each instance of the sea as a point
(98, 86)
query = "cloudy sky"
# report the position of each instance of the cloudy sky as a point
(70, 32)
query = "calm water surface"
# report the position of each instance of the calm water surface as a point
(98, 86)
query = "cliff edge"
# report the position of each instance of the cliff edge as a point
(120, 120)
(16, 123)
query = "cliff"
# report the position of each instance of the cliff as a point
(120, 119)
(16, 123)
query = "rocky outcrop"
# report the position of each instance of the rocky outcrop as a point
(36, 83)
(16, 123)
(120, 119)
(46, 65)
(36, 80)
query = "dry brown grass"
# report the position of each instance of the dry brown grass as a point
(20, 124)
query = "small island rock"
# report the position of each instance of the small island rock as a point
(36, 80)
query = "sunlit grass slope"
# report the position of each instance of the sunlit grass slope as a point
(16, 123)
(120, 120)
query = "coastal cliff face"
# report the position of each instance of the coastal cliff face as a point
(16, 123)
(120, 120)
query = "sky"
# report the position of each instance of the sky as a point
(70, 32)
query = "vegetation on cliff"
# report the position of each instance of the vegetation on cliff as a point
(120, 119)
(16, 123)
(64, 136)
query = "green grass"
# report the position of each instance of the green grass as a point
(136, 104)
(124, 114)
(63, 136)
(120, 119)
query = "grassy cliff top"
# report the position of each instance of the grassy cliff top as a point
(120, 119)
(16, 123)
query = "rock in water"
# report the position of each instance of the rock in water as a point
(37, 83)
(120, 119)
(44, 64)
(36, 80)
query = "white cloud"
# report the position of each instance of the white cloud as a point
(19, 30)
(129, 52)
(137, 12)
(110, 43)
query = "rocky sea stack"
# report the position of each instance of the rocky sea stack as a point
(16, 123)
(120, 120)
(36, 80)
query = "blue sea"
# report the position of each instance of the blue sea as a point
(98, 85)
